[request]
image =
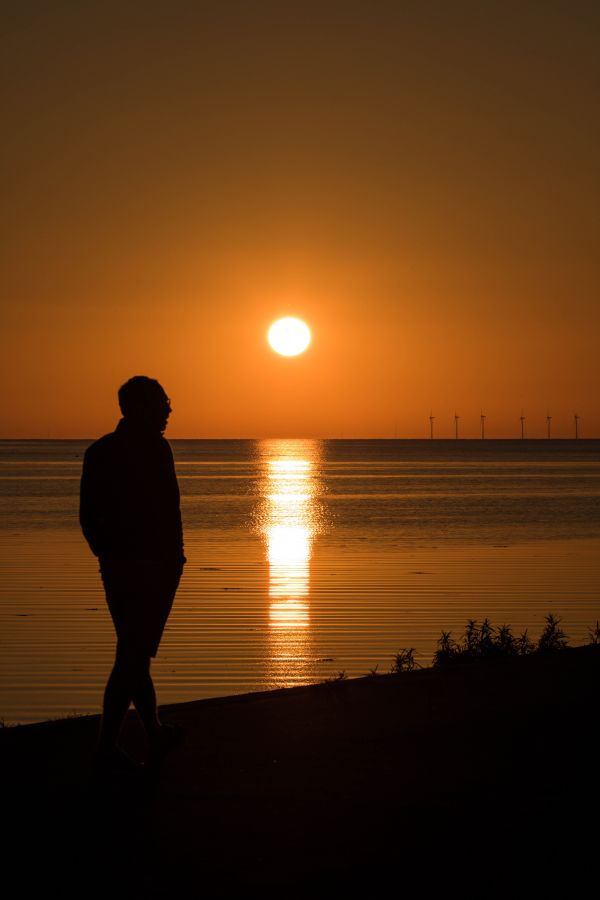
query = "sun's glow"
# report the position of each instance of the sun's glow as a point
(289, 336)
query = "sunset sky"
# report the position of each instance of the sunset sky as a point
(418, 181)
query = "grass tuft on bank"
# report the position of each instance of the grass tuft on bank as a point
(484, 641)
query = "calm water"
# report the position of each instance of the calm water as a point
(305, 558)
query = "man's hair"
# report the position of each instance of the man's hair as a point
(137, 392)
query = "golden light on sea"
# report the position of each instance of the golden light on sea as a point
(288, 523)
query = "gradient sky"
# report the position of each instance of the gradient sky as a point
(419, 181)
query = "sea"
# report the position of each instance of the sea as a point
(307, 560)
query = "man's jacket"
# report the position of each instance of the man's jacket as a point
(129, 499)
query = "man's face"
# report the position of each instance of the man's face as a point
(154, 412)
(163, 411)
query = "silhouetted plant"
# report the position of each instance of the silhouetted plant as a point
(486, 642)
(594, 634)
(505, 641)
(478, 640)
(339, 676)
(373, 672)
(552, 637)
(404, 661)
(447, 650)
(470, 637)
(523, 645)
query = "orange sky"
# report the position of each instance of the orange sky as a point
(418, 181)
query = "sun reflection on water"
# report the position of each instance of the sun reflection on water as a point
(289, 522)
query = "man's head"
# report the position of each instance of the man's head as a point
(144, 401)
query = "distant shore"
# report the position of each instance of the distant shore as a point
(305, 791)
(447, 439)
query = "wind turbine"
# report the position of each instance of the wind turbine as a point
(522, 425)
(482, 418)
(431, 419)
(548, 423)
(576, 417)
(456, 418)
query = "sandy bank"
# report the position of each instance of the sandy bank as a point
(418, 779)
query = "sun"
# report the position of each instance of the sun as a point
(289, 336)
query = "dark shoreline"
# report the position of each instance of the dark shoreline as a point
(306, 791)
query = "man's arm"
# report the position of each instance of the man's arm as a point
(91, 497)
(174, 489)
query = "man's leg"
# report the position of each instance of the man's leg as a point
(144, 700)
(130, 680)
(161, 587)
(161, 738)
(131, 669)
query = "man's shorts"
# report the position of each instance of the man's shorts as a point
(140, 594)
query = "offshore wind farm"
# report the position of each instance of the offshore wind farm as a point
(543, 427)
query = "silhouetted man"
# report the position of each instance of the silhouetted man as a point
(129, 514)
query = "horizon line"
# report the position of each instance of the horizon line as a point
(425, 439)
